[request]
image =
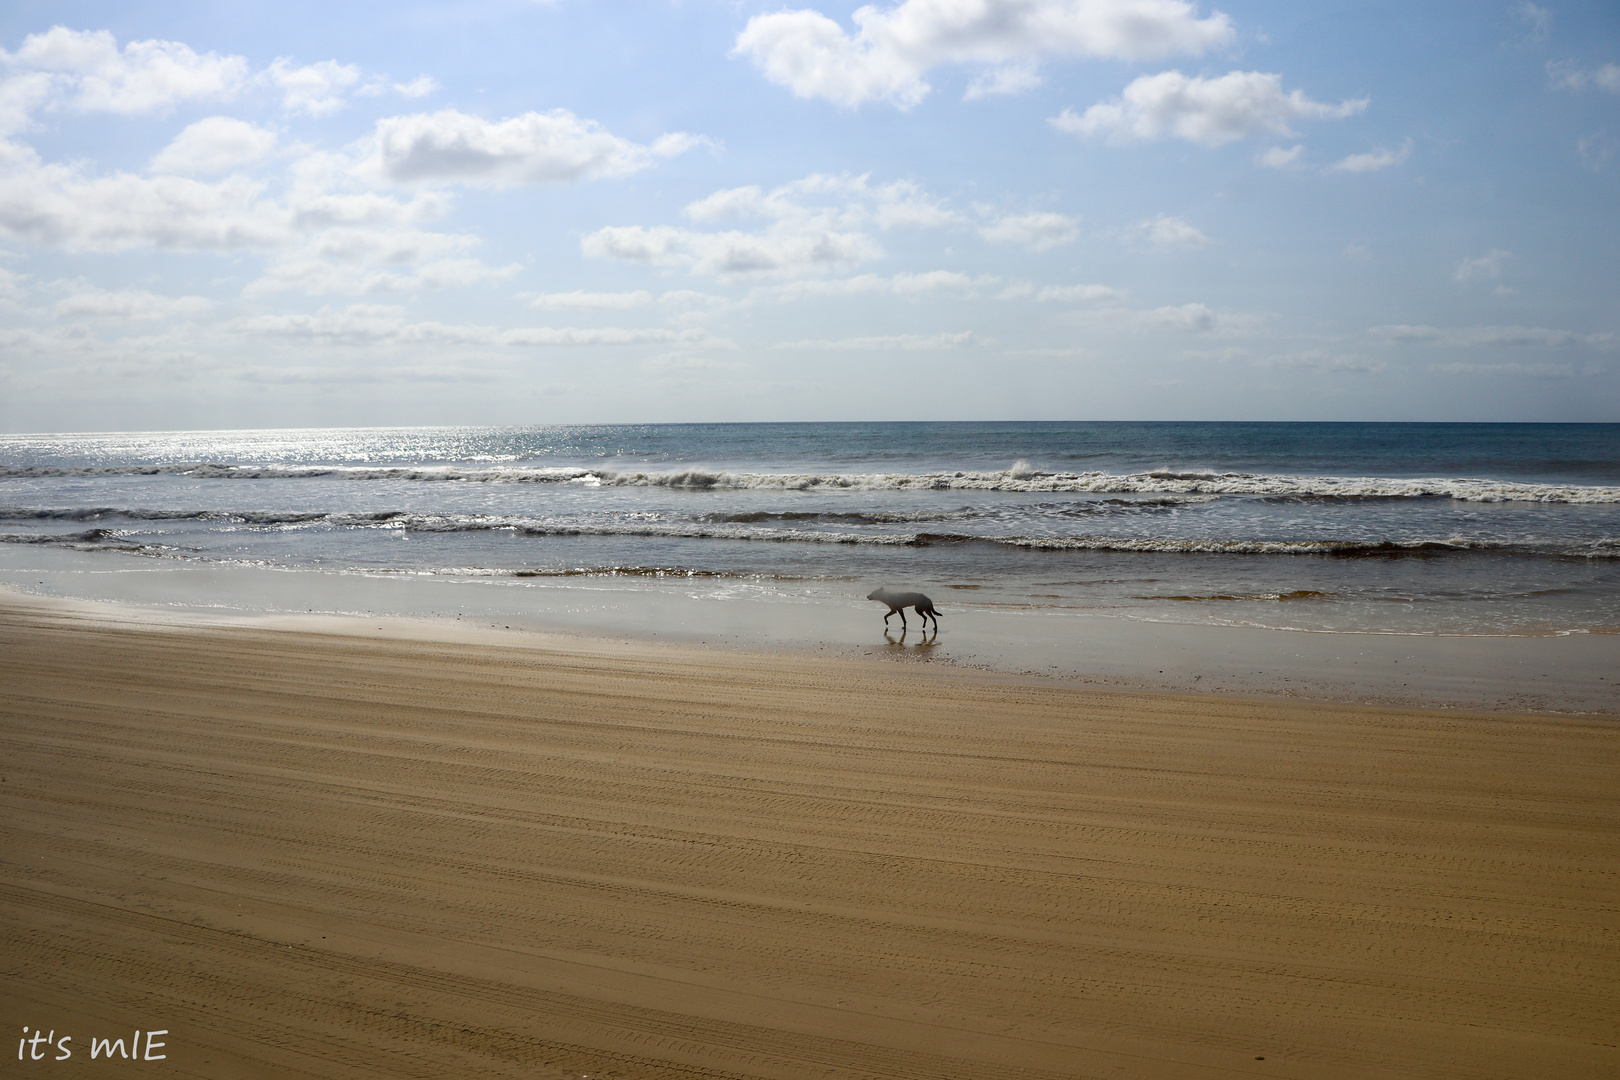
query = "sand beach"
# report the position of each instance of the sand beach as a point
(362, 849)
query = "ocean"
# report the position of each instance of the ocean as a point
(1417, 529)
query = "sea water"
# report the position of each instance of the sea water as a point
(1455, 529)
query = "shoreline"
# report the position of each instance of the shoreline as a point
(361, 853)
(1572, 674)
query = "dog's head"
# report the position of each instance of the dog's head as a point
(876, 594)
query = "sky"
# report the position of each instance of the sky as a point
(517, 212)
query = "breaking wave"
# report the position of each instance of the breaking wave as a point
(1020, 478)
(767, 528)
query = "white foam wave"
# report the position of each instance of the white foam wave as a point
(1020, 478)
(668, 528)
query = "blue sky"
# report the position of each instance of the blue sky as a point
(294, 215)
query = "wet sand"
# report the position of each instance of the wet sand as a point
(312, 854)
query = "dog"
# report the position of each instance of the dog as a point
(899, 601)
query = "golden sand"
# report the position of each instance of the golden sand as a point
(314, 855)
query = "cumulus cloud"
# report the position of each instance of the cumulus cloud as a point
(817, 224)
(376, 324)
(129, 304)
(1597, 150)
(11, 285)
(1526, 371)
(1193, 318)
(1278, 158)
(1567, 75)
(59, 205)
(1373, 160)
(1039, 231)
(1007, 79)
(579, 300)
(326, 235)
(87, 71)
(1164, 231)
(1209, 111)
(891, 50)
(1537, 20)
(732, 254)
(1320, 360)
(421, 86)
(906, 342)
(20, 95)
(316, 276)
(898, 204)
(143, 76)
(1487, 267)
(902, 284)
(316, 89)
(1076, 294)
(1470, 337)
(214, 145)
(377, 257)
(556, 147)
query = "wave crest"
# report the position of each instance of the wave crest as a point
(1020, 478)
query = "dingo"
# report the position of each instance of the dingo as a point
(899, 601)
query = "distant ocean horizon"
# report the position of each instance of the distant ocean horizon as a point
(1409, 528)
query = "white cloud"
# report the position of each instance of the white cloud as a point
(1487, 267)
(1208, 111)
(310, 375)
(1066, 352)
(1007, 79)
(607, 335)
(129, 304)
(891, 50)
(315, 276)
(11, 285)
(1077, 294)
(1468, 337)
(57, 204)
(377, 256)
(1164, 231)
(87, 71)
(904, 342)
(783, 249)
(1567, 75)
(556, 147)
(902, 284)
(1527, 371)
(1373, 160)
(1039, 231)
(214, 145)
(815, 224)
(1278, 158)
(898, 204)
(1193, 319)
(591, 301)
(20, 95)
(1597, 150)
(1537, 20)
(145, 76)
(374, 324)
(421, 86)
(1319, 360)
(316, 89)
(680, 363)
